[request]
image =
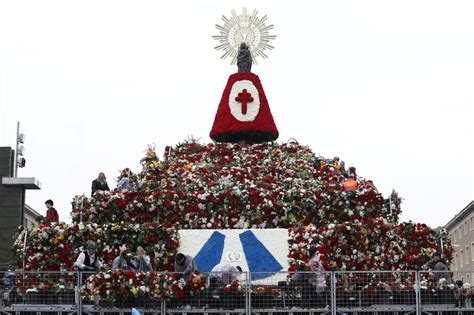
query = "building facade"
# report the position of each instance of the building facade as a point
(461, 233)
(13, 211)
(30, 217)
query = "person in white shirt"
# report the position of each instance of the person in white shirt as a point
(225, 273)
(88, 260)
(221, 275)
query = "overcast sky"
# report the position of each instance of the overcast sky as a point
(388, 86)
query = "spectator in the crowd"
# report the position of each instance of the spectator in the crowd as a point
(100, 183)
(141, 261)
(440, 270)
(88, 260)
(185, 265)
(51, 213)
(120, 262)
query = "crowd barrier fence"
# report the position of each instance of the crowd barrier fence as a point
(337, 292)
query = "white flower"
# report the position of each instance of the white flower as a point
(31, 290)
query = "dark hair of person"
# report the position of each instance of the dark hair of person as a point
(239, 268)
(50, 202)
(180, 258)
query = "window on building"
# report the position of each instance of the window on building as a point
(461, 259)
(465, 228)
(472, 251)
(467, 255)
(468, 229)
(455, 261)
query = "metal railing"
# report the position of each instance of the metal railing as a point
(338, 292)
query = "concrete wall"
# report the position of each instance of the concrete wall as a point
(11, 203)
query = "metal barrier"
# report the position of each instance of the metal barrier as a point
(339, 292)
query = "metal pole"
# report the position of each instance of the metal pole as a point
(333, 293)
(16, 150)
(82, 207)
(390, 203)
(417, 292)
(78, 296)
(248, 302)
(24, 247)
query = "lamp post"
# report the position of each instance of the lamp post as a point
(20, 150)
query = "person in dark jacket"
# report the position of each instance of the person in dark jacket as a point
(100, 183)
(51, 213)
(440, 269)
(185, 264)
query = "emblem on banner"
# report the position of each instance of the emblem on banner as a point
(234, 256)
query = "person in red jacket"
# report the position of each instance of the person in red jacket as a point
(51, 213)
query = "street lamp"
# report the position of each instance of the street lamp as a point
(20, 149)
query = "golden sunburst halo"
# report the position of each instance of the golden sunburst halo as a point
(244, 28)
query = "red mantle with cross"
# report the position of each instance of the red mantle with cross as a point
(243, 114)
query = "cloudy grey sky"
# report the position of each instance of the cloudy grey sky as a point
(388, 86)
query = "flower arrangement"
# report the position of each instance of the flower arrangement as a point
(371, 243)
(109, 285)
(232, 289)
(56, 246)
(265, 291)
(197, 283)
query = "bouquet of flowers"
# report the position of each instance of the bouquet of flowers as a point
(265, 291)
(197, 283)
(123, 284)
(232, 289)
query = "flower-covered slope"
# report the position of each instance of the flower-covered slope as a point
(56, 246)
(269, 185)
(238, 186)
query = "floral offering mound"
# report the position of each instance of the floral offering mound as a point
(233, 186)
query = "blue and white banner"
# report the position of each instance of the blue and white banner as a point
(260, 251)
